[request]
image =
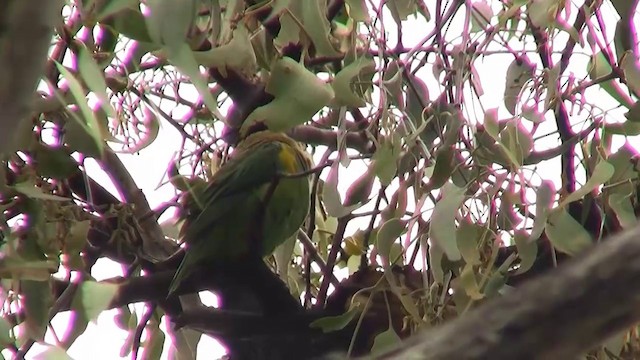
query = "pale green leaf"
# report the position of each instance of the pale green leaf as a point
(28, 188)
(443, 228)
(565, 233)
(527, 250)
(518, 73)
(170, 20)
(385, 341)
(299, 94)
(358, 10)
(602, 172)
(318, 28)
(468, 236)
(360, 71)
(95, 297)
(237, 55)
(90, 122)
(389, 232)
(469, 282)
(334, 323)
(93, 76)
(54, 353)
(623, 208)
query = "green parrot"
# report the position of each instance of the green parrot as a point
(252, 204)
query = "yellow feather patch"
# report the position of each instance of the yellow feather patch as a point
(288, 159)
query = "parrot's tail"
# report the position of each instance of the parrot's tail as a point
(181, 274)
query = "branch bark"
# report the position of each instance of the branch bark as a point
(560, 315)
(25, 34)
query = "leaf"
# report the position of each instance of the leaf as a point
(443, 228)
(623, 208)
(518, 73)
(299, 94)
(132, 24)
(435, 260)
(54, 353)
(385, 160)
(468, 236)
(358, 11)
(360, 190)
(90, 123)
(335, 323)
(54, 162)
(491, 124)
(401, 9)
(565, 233)
(385, 341)
(318, 27)
(28, 188)
(155, 341)
(527, 250)
(169, 21)
(5, 333)
(542, 12)
(631, 70)
(237, 55)
(93, 76)
(37, 300)
(481, 15)
(76, 327)
(417, 98)
(185, 341)
(469, 283)
(517, 142)
(599, 67)
(443, 168)
(111, 7)
(94, 297)
(602, 172)
(359, 71)
(389, 232)
(392, 81)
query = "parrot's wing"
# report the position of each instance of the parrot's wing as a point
(250, 170)
(233, 184)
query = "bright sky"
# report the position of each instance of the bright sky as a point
(105, 341)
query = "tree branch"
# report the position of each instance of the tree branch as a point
(25, 33)
(560, 315)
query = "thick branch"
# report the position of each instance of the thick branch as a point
(558, 316)
(25, 33)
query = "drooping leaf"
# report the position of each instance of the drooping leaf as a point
(389, 232)
(601, 174)
(37, 300)
(565, 233)
(360, 190)
(94, 297)
(335, 323)
(518, 73)
(237, 55)
(527, 251)
(469, 282)
(385, 341)
(344, 83)
(358, 10)
(468, 237)
(89, 123)
(443, 228)
(623, 208)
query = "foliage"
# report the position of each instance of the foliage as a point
(461, 149)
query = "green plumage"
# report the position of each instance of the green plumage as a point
(250, 206)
